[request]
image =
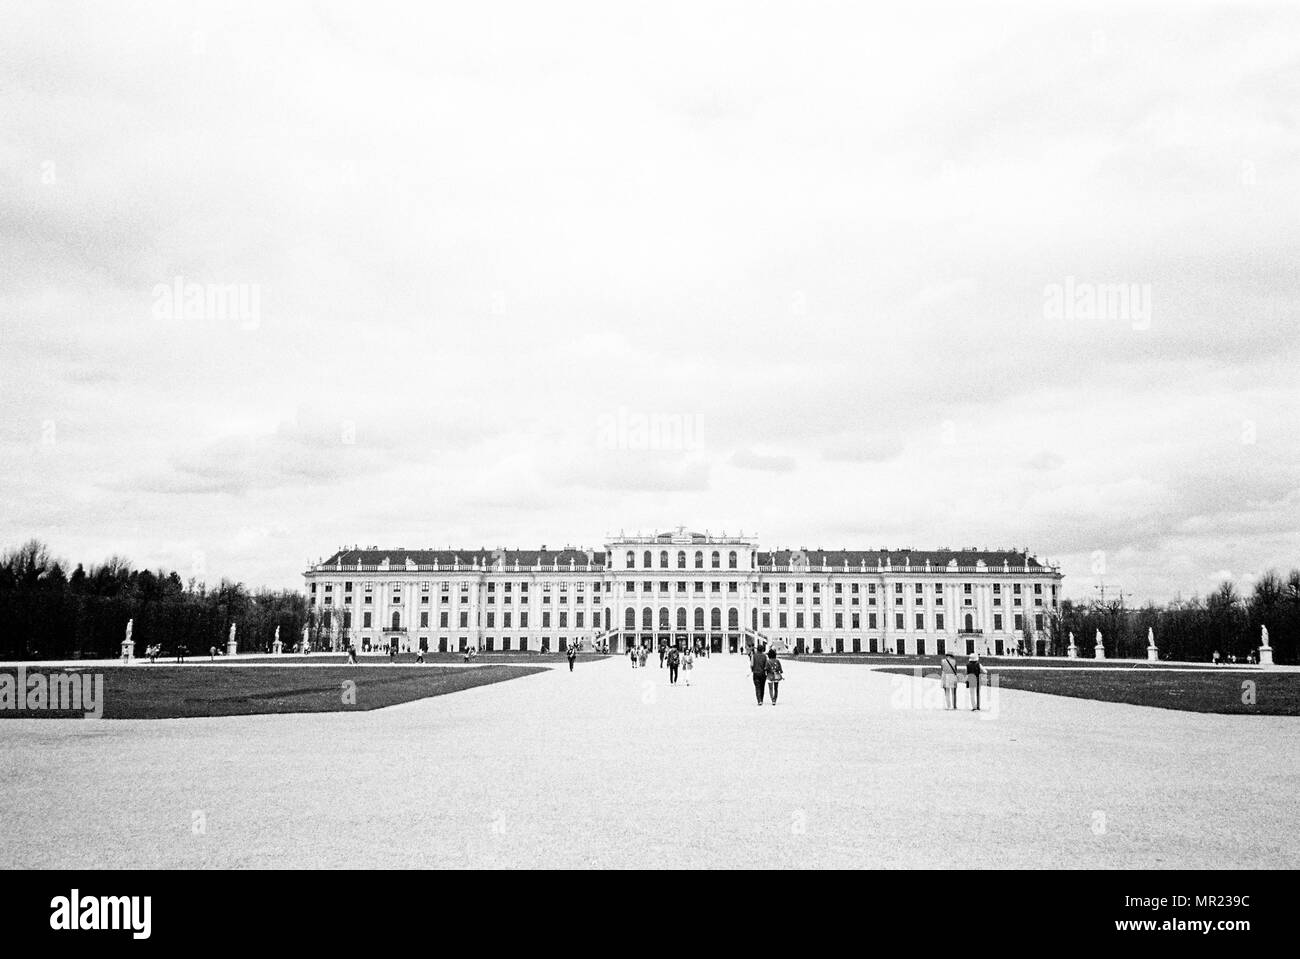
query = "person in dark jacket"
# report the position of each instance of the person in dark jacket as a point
(758, 666)
(674, 659)
(973, 671)
(573, 654)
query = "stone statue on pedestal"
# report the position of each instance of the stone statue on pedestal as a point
(1265, 650)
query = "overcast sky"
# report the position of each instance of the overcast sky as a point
(480, 249)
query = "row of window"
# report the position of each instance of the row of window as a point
(445, 587)
(715, 559)
(714, 586)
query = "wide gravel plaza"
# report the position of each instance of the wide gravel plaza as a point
(609, 766)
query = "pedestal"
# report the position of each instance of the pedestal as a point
(1099, 651)
(1072, 652)
(277, 648)
(1153, 654)
(231, 646)
(1266, 655)
(128, 651)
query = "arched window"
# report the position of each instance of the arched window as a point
(647, 559)
(716, 560)
(681, 617)
(647, 619)
(397, 620)
(715, 619)
(970, 623)
(731, 560)
(681, 559)
(663, 619)
(733, 618)
(629, 619)
(699, 559)
(631, 560)
(699, 619)
(663, 559)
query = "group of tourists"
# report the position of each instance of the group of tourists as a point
(1250, 659)
(680, 662)
(948, 679)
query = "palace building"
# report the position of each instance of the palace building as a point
(685, 588)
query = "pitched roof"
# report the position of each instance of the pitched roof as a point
(896, 558)
(466, 557)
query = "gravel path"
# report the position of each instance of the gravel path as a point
(609, 766)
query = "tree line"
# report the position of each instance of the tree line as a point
(1225, 622)
(50, 612)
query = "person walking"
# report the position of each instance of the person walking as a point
(573, 654)
(973, 671)
(674, 660)
(758, 670)
(688, 664)
(631, 654)
(948, 676)
(775, 673)
(662, 649)
(420, 655)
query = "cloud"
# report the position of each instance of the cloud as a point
(811, 238)
(766, 462)
(1044, 460)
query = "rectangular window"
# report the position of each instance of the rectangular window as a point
(898, 621)
(920, 621)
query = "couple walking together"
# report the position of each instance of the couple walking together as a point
(767, 672)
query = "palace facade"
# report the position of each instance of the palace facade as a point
(684, 588)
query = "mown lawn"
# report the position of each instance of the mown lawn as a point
(1192, 690)
(159, 691)
(932, 659)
